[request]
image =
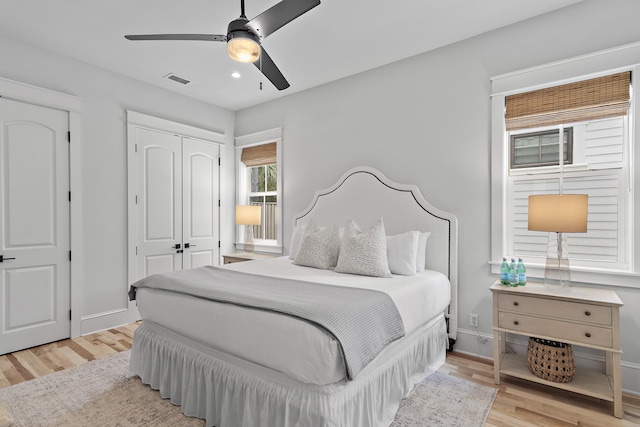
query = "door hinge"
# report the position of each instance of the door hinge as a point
(218, 161)
(69, 314)
(69, 195)
(136, 199)
(218, 243)
(69, 255)
(136, 250)
(218, 202)
(135, 147)
(69, 137)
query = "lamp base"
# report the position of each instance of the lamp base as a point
(557, 271)
(248, 239)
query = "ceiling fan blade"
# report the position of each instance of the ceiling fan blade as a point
(279, 15)
(202, 37)
(270, 70)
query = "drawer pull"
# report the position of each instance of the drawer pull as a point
(587, 313)
(588, 335)
(515, 322)
(515, 303)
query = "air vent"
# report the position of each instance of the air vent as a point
(178, 79)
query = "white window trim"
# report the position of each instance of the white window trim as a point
(601, 63)
(259, 138)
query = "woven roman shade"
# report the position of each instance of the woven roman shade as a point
(259, 155)
(597, 98)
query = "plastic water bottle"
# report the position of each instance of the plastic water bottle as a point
(522, 273)
(513, 273)
(504, 272)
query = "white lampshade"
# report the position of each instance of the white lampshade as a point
(560, 213)
(248, 215)
(243, 49)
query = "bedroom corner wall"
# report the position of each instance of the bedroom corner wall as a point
(426, 121)
(102, 169)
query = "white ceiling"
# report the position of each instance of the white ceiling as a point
(332, 41)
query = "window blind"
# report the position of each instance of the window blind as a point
(598, 98)
(259, 155)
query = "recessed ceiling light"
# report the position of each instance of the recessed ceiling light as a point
(236, 75)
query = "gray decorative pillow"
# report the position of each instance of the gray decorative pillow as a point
(364, 252)
(319, 247)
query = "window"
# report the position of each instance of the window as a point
(592, 115)
(259, 183)
(598, 171)
(263, 192)
(540, 149)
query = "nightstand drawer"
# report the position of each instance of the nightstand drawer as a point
(245, 256)
(536, 326)
(230, 259)
(580, 312)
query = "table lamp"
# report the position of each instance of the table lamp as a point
(248, 216)
(558, 214)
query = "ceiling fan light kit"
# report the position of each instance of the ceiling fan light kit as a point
(242, 44)
(243, 50)
(243, 36)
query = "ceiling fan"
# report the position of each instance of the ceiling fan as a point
(244, 36)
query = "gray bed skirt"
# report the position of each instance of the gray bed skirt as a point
(228, 391)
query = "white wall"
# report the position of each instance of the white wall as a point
(423, 121)
(104, 98)
(426, 121)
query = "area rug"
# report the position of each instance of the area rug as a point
(102, 393)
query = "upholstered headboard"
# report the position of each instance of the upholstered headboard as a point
(364, 194)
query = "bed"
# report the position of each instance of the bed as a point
(278, 362)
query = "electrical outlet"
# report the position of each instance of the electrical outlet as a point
(473, 320)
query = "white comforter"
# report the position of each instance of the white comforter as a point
(298, 349)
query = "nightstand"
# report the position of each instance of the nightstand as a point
(586, 317)
(245, 256)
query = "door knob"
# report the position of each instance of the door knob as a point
(177, 246)
(3, 259)
(188, 245)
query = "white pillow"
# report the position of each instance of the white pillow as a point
(402, 250)
(296, 238)
(421, 256)
(319, 247)
(364, 252)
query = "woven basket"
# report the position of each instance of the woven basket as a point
(550, 360)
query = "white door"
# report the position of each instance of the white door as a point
(34, 225)
(200, 203)
(177, 207)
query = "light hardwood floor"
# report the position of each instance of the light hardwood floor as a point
(518, 403)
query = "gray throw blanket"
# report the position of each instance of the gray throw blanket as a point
(363, 321)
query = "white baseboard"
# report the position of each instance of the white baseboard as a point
(481, 345)
(110, 319)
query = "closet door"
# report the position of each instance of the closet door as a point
(200, 203)
(159, 202)
(176, 202)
